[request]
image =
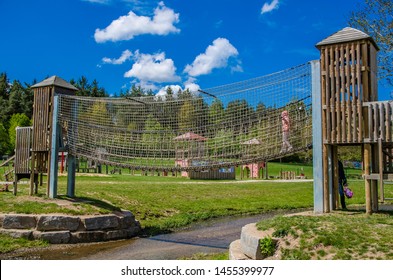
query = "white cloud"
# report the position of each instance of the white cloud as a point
(162, 92)
(215, 56)
(190, 85)
(152, 68)
(128, 26)
(267, 8)
(126, 55)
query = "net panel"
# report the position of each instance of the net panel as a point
(223, 126)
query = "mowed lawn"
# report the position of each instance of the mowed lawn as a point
(166, 203)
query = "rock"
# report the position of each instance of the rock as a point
(87, 236)
(116, 234)
(249, 240)
(53, 237)
(51, 223)
(126, 219)
(19, 222)
(17, 233)
(101, 222)
(235, 251)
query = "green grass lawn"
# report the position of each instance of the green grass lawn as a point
(352, 236)
(164, 204)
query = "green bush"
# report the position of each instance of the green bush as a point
(267, 246)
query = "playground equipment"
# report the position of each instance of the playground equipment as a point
(350, 113)
(231, 125)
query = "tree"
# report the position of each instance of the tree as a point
(15, 102)
(187, 115)
(28, 99)
(375, 18)
(216, 112)
(17, 120)
(4, 86)
(4, 140)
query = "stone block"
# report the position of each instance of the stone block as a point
(249, 239)
(1, 220)
(235, 251)
(53, 237)
(19, 222)
(101, 222)
(126, 219)
(18, 233)
(116, 234)
(53, 223)
(87, 236)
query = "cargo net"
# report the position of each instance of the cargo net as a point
(224, 126)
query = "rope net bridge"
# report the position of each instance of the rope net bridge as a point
(224, 126)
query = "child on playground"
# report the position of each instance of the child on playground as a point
(286, 125)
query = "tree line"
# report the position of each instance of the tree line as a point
(16, 106)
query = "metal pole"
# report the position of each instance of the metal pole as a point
(317, 136)
(71, 160)
(54, 150)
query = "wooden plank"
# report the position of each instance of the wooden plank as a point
(351, 83)
(369, 122)
(22, 150)
(333, 128)
(337, 94)
(324, 78)
(343, 95)
(381, 169)
(375, 119)
(373, 73)
(381, 121)
(367, 161)
(387, 122)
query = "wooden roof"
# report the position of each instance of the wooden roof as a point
(55, 81)
(347, 34)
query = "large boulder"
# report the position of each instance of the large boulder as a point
(19, 222)
(52, 223)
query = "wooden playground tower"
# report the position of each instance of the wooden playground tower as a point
(350, 115)
(37, 146)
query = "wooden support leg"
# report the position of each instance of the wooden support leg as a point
(374, 196)
(33, 168)
(367, 183)
(15, 185)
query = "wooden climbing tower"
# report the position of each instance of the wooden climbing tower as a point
(43, 124)
(351, 114)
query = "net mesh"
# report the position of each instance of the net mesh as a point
(223, 126)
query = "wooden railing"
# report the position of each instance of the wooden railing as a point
(378, 121)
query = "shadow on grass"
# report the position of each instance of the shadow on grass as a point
(91, 201)
(153, 231)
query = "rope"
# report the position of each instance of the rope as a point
(224, 126)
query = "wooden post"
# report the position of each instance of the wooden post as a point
(367, 183)
(381, 169)
(334, 183)
(33, 170)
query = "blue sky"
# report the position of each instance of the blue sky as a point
(193, 43)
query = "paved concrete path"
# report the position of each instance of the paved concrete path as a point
(211, 237)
